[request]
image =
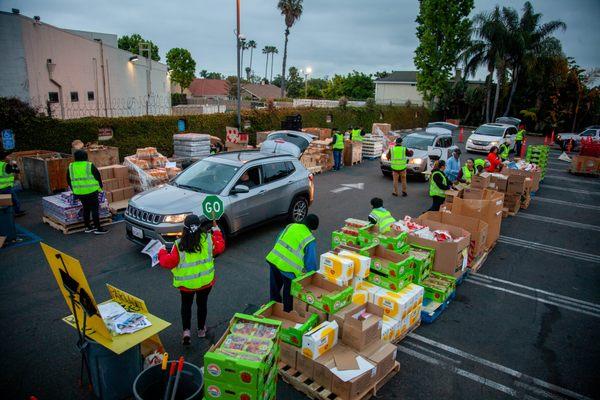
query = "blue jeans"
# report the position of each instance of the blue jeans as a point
(337, 159)
(15, 200)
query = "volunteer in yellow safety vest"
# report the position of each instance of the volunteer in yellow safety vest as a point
(357, 134)
(519, 140)
(398, 156)
(380, 216)
(294, 254)
(480, 165)
(85, 181)
(467, 171)
(7, 185)
(504, 150)
(192, 265)
(438, 184)
(338, 148)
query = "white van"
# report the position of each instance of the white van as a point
(489, 135)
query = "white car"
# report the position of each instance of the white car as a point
(489, 135)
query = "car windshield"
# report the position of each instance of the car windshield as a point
(417, 142)
(205, 176)
(490, 130)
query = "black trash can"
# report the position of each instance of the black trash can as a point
(151, 383)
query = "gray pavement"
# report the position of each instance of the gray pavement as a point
(526, 326)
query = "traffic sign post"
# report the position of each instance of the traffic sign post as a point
(212, 207)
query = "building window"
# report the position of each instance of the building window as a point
(53, 97)
(90, 96)
(74, 96)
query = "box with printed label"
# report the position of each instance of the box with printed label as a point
(389, 262)
(390, 328)
(322, 367)
(360, 296)
(336, 267)
(383, 355)
(321, 315)
(439, 286)
(362, 264)
(314, 289)
(293, 326)
(399, 305)
(423, 257)
(339, 282)
(391, 239)
(353, 375)
(388, 282)
(245, 354)
(320, 339)
(487, 206)
(362, 325)
(370, 288)
(215, 389)
(339, 238)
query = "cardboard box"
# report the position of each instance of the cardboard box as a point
(320, 339)
(337, 281)
(121, 171)
(516, 184)
(305, 365)
(423, 257)
(389, 268)
(107, 172)
(500, 180)
(293, 326)
(450, 257)
(475, 226)
(109, 196)
(512, 202)
(336, 267)
(362, 264)
(315, 290)
(399, 305)
(535, 176)
(339, 238)
(360, 296)
(322, 367)
(362, 325)
(451, 194)
(288, 354)
(390, 328)
(117, 195)
(349, 382)
(481, 181)
(383, 355)
(321, 315)
(227, 391)
(110, 184)
(370, 235)
(585, 164)
(5, 200)
(128, 192)
(300, 307)
(487, 207)
(438, 286)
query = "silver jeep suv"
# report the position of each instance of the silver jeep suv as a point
(254, 185)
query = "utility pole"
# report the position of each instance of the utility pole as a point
(147, 48)
(307, 72)
(239, 71)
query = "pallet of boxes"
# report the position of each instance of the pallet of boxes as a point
(148, 168)
(65, 213)
(116, 186)
(190, 147)
(352, 152)
(318, 156)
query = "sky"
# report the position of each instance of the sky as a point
(332, 36)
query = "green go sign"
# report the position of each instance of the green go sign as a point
(212, 207)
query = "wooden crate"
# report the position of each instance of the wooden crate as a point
(18, 157)
(101, 156)
(47, 173)
(352, 153)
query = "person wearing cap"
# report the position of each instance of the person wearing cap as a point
(294, 254)
(380, 216)
(398, 156)
(192, 265)
(480, 165)
(453, 165)
(338, 149)
(467, 171)
(504, 150)
(85, 182)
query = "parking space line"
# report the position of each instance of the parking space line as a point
(579, 255)
(572, 190)
(557, 221)
(566, 203)
(509, 371)
(576, 180)
(435, 353)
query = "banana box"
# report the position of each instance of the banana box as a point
(362, 264)
(390, 328)
(336, 267)
(360, 297)
(337, 281)
(398, 305)
(339, 238)
(320, 339)
(361, 285)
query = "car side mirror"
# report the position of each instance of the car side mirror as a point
(240, 189)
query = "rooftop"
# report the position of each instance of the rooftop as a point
(209, 87)
(263, 91)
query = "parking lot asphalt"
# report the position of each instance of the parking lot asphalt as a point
(527, 325)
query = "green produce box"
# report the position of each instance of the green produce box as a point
(393, 283)
(249, 374)
(293, 326)
(215, 389)
(392, 239)
(314, 289)
(340, 238)
(423, 258)
(438, 286)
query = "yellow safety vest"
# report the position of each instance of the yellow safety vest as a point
(6, 180)
(520, 134)
(339, 141)
(195, 270)
(434, 189)
(504, 151)
(356, 135)
(384, 219)
(288, 253)
(399, 159)
(82, 179)
(467, 174)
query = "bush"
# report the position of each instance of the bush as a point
(129, 133)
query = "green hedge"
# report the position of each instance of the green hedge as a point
(133, 132)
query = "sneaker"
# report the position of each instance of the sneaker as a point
(89, 230)
(187, 337)
(202, 333)
(100, 231)
(394, 194)
(404, 194)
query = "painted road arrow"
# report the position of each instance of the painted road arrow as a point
(348, 186)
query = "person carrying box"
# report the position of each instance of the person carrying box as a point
(380, 216)
(294, 254)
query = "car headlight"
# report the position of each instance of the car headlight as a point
(175, 219)
(417, 161)
(469, 140)
(558, 137)
(494, 143)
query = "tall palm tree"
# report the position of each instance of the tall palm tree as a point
(273, 52)
(527, 40)
(251, 45)
(291, 10)
(266, 50)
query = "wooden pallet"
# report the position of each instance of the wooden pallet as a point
(410, 330)
(71, 228)
(118, 206)
(314, 391)
(355, 162)
(478, 263)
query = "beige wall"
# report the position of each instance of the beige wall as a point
(397, 93)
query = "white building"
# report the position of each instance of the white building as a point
(72, 74)
(398, 88)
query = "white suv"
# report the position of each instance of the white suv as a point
(489, 135)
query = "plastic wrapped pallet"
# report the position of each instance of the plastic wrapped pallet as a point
(195, 145)
(372, 146)
(142, 175)
(67, 210)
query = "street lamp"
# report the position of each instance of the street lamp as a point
(238, 37)
(307, 72)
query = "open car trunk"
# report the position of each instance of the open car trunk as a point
(287, 142)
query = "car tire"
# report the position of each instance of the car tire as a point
(298, 209)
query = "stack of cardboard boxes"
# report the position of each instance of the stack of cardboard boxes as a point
(318, 157)
(538, 155)
(115, 181)
(320, 133)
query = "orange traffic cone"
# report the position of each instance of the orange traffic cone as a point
(545, 140)
(522, 155)
(460, 135)
(552, 138)
(569, 145)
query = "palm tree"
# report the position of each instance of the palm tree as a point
(527, 40)
(266, 51)
(291, 10)
(251, 45)
(273, 52)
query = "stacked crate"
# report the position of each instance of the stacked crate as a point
(318, 157)
(372, 146)
(538, 155)
(191, 145)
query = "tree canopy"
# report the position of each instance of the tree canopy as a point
(132, 45)
(182, 66)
